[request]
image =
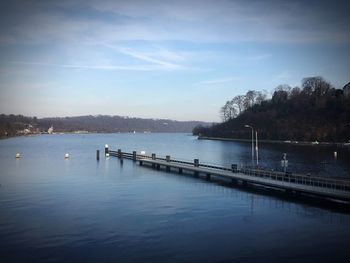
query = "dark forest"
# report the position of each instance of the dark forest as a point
(316, 111)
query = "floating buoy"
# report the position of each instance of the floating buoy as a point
(66, 156)
(18, 156)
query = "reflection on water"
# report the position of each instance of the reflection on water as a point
(52, 209)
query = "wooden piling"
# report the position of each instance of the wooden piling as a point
(196, 164)
(234, 168)
(97, 155)
(153, 158)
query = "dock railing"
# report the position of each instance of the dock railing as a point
(313, 181)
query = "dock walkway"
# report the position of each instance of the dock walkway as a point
(319, 186)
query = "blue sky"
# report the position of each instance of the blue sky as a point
(163, 59)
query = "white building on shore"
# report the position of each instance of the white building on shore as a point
(50, 130)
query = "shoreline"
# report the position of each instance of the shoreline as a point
(297, 143)
(84, 133)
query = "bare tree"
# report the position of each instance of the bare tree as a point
(315, 86)
(238, 103)
(294, 93)
(227, 111)
(261, 96)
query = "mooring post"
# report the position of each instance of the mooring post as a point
(167, 158)
(153, 158)
(119, 153)
(196, 162)
(134, 156)
(106, 149)
(97, 155)
(234, 168)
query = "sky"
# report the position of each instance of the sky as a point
(179, 59)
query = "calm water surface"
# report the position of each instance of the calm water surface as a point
(81, 210)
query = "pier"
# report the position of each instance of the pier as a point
(289, 182)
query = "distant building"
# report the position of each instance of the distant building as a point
(346, 90)
(50, 130)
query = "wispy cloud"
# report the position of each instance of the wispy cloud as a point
(93, 67)
(145, 57)
(208, 21)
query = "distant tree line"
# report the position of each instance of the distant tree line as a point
(106, 123)
(316, 111)
(12, 125)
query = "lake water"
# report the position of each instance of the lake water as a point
(81, 210)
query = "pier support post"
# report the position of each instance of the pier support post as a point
(119, 153)
(234, 168)
(234, 181)
(97, 155)
(140, 163)
(196, 162)
(134, 156)
(180, 170)
(106, 149)
(158, 166)
(167, 158)
(208, 176)
(288, 191)
(153, 158)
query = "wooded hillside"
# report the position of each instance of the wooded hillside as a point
(12, 125)
(316, 111)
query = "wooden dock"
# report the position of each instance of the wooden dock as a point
(291, 183)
